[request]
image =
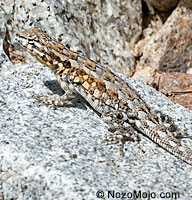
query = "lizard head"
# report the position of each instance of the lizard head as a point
(29, 37)
(39, 45)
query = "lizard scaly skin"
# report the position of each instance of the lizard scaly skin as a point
(119, 105)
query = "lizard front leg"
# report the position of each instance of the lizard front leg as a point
(67, 99)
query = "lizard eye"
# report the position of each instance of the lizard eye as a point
(30, 41)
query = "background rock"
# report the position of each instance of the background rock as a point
(164, 5)
(170, 49)
(177, 86)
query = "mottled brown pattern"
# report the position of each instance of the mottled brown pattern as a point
(91, 79)
(112, 94)
(101, 85)
(109, 78)
(72, 55)
(90, 64)
(81, 73)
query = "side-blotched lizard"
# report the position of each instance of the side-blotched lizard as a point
(119, 105)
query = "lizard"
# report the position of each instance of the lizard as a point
(119, 104)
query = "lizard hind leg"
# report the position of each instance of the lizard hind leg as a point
(122, 130)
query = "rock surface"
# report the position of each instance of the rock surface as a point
(48, 153)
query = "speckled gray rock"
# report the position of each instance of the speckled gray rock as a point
(48, 153)
(163, 5)
(103, 30)
(170, 49)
